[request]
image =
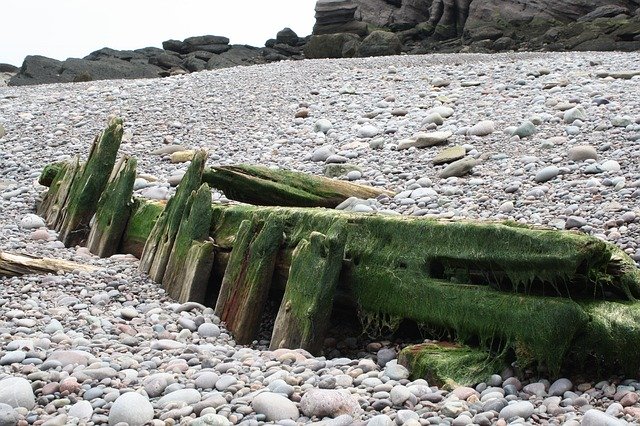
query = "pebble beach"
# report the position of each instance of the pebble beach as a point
(547, 139)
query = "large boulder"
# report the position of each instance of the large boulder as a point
(337, 16)
(237, 55)
(8, 68)
(380, 43)
(106, 69)
(341, 45)
(287, 36)
(207, 43)
(37, 69)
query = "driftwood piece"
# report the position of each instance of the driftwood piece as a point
(56, 197)
(247, 278)
(158, 246)
(191, 259)
(88, 184)
(305, 309)
(12, 265)
(113, 210)
(267, 187)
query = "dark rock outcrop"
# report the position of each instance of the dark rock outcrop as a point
(380, 43)
(338, 16)
(341, 45)
(8, 68)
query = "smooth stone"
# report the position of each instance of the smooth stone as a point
(395, 371)
(12, 357)
(399, 394)
(525, 129)
(433, 118)
(275, 407)
(573, 114)
(368, 131)
(450, 154)
(546, 174)
(582, 153)
(8, 416)
(327, 402)
(380, 420)
(81, 410)
(522, 409)
(188, 396)
(444, 111)
(206, 380)
(169, 149)
(322, 153)
(537, 389)
(575, 222)
(166, 344)
(595, 417)
(482, 128)
(208, 329)
(72, 357)
(322, 125)
(610, 166)
(560, 386)
(423, 139)
(32, 221)
(211, 419)
(458, 168)
(131, 408)
(17, 392)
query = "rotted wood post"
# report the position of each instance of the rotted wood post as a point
(305, 311)
(114, 209)
(247, 278)
(191, 259)
(88, 185)
(13, 265)
(159, 244)
(56, 196)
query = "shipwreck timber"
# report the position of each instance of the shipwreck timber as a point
(531, 294)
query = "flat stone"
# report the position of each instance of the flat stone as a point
(182, 156)
(522, 409)
(275, 407)
(582, 153)
(168, 149)
(424, 139)
(450, 154)
(546, 174)
(482, 128)
(458, 168)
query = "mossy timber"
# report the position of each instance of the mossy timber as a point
(547, 296)
(113, 210)
(307, 303)
(159, 243)
(247, 278)
(88, 185)
(268, 187)
(449, 365)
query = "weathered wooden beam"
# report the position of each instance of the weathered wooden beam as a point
(56, 197)
(88, 184)
(12, 265)
(159, 244)
(113, 210)
(247, 278)
(191, 258)
(268, 187)
(450, 365)
(306, 306)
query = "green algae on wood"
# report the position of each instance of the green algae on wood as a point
(268, 187)
(56, 196)
(191, 258)
(50, 172)
(306, 306)
(160, 242)
(247, 278)
(113, 210)
(88, 185)
(144, 215)
(450, 365)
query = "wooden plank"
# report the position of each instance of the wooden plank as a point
(113, 210)
(267, 187)
(88, 184)
(305, 310)
(191, 258)
(12, 265)
(158, 246)
(247, 278)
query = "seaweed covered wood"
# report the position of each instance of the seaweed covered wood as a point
(113, 210)
(247, 278)
(268, 187)
(88, 184)
(159, 243)
(306, 306)
(191, 258)
(450, 365)
(56, 196)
